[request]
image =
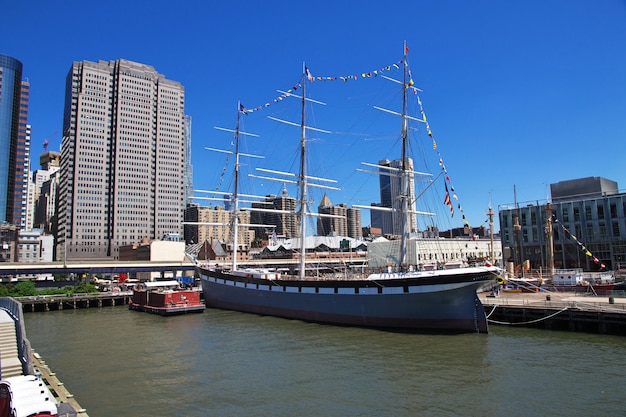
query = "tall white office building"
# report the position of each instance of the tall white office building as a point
(122, 159)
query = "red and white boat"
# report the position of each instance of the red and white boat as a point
(575, 279)
(26, 395)
(166, 298)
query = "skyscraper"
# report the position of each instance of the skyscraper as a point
(338, 220)
(122, 158)
(286, 224)
(390, 197)
(14, 142)
(46, 182)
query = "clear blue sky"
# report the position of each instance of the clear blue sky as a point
(523, 93)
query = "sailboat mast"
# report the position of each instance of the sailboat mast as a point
(303, 185)
(550, 238)
(236, 191)
(405, 169)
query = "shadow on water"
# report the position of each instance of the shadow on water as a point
(224, 363)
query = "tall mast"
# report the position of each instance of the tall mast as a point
(490, 214)
(404, 184)
(303, 185)
(550, 239)
(236, 191)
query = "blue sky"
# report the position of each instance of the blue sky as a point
(517, 94)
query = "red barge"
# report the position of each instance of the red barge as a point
(166, 298)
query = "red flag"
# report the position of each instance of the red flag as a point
(447, 200)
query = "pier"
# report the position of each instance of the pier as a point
(558, 311)
(56, 387)
(42, 303)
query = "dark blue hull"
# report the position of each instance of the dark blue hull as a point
(447, 304)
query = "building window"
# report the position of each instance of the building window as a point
(576, 214)
(588, 212)
(600, 212)
(615, 229)
(523, 219)
(613, 210)
(565, 214)
(533, 218)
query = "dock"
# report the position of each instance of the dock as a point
(557, 311)
(42, 303)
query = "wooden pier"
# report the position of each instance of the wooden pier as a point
(56, 387)
(71, 302)
(558, 311)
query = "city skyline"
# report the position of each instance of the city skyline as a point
(518, 95)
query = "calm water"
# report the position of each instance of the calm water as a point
(220, 363)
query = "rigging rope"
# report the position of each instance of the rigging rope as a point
(527, 322)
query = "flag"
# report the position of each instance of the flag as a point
(242, 109)
(308, 74)
(447, 200)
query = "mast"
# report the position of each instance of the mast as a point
(236, 191)
(303, 185)
(550, 239)
(490, 214)
(405, 171)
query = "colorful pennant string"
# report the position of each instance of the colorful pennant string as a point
(354, 77)
(581, 246)
(447, 200)
(221, 178)
(278, 99)
(312, 78)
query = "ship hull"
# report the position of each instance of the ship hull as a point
(448, 304)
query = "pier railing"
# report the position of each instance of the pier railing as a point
(14, 308)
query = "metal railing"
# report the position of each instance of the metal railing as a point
(14, 308)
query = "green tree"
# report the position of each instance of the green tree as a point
(5, 290)
(24, 288)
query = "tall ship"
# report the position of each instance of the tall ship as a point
(400, 296)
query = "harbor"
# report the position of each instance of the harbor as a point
(226, 363)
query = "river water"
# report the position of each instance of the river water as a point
(222, 363)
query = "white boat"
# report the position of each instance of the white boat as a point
(401, 297)
(26, 396)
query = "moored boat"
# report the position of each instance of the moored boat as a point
(166, 298)
(26, 395)
(576, 280)
(404, 297)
